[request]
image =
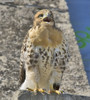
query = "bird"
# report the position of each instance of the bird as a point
(44, 55)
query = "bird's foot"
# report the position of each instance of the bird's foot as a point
(36, 90)
(55, 91)
(41, 90)
(58, 92)
(32, 90)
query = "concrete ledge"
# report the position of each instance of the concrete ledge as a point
(25, 95)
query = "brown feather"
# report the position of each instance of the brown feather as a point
(45, 36)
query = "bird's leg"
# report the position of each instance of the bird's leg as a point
(51, 89)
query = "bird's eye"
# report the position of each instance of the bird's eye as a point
(41, 15)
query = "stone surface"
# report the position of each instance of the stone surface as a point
(24, 95)
(15, 19)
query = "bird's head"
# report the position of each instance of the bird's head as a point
(44, 17)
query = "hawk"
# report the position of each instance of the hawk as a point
(43, 55)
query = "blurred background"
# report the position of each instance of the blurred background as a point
(80, 18)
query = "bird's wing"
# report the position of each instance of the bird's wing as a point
(64, 52)
(60, 60)
(22, 60)
(61, 55)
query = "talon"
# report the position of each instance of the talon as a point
(57, 92)
(30, 89)
(41, 90)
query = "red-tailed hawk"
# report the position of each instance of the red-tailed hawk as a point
(43, 55)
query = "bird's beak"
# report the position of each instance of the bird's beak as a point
(47, 17)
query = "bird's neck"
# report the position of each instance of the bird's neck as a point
(46, 36)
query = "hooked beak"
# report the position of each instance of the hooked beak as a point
(47, 17)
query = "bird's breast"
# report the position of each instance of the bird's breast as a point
(45, 36)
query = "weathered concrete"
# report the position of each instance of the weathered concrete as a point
(29, 96)
(15, 20)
